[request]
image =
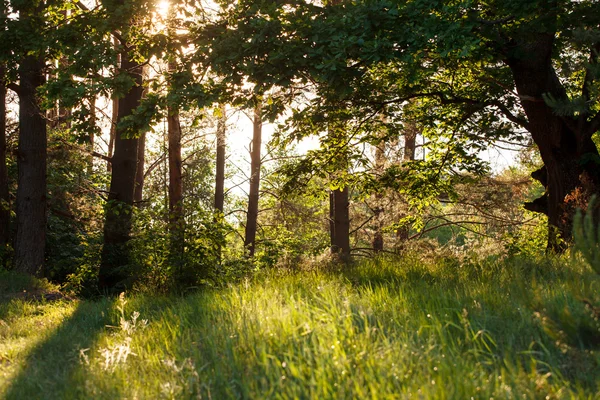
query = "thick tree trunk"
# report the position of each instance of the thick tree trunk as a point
(565, 144)
(4, 194)
(117, 226)
(255, 162)
(139, 175)
(176, 222)
(220, 173)
(31, 161)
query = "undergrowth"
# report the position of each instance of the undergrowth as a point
(389, 328)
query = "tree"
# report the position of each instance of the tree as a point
(176, 220)
(4, 193)
(117, 226)
(31, 191)
(253, 196)
(220, 162)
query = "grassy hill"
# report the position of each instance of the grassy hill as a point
(383, 329)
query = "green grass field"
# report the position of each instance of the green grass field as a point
(380, 330)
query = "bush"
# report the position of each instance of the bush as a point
(587, 236)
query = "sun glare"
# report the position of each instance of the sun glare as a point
(162, 8)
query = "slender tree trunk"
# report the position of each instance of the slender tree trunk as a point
(113, 120)
(117, 226)
(570, 175)
(220, 170)
(220, 173)
(138, 196)
(91, 136)
(176, 221)
(4, 194)
(378, 209)
(410, 143)
(30, 242)
(113, 132)
(255, 163)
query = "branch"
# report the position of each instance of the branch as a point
(510, 116)
(361, 225)
(99, 155)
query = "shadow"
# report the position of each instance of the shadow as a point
(51, 367)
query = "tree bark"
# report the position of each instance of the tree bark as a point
(113, 132)
(255, 163)
(567, 149)
(91, 135)
(341, 223)
(220, 173)
(113, 119)
(176, 221)
(339, 203)
(410, 141)
(378, 207)
(30, 242)
(117, 226)
(139, 175)
(4, 193)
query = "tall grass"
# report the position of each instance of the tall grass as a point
(381, 329)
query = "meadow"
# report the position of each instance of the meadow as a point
(381, 329)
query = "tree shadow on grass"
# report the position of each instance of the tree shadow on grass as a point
(50, 369)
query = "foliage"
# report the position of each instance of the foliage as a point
(587, 236)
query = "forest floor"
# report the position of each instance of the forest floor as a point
(382, 329)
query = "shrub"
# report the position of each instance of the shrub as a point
(586, 236)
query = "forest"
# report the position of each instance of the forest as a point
(297, 199)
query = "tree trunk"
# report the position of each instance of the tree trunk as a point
(341, 224)
(566, 147)
(331, 224)
(113, 132)
(138, 196)
(117, 226)
(113, 119)
(252, 216)
(220, 174)
(176, 222)
(378, 206)
(4, 194)
(91, 135)
(31, 162)
(410, 143)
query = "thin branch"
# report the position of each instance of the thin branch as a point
(363, 224)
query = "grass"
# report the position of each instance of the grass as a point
(381, 329)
